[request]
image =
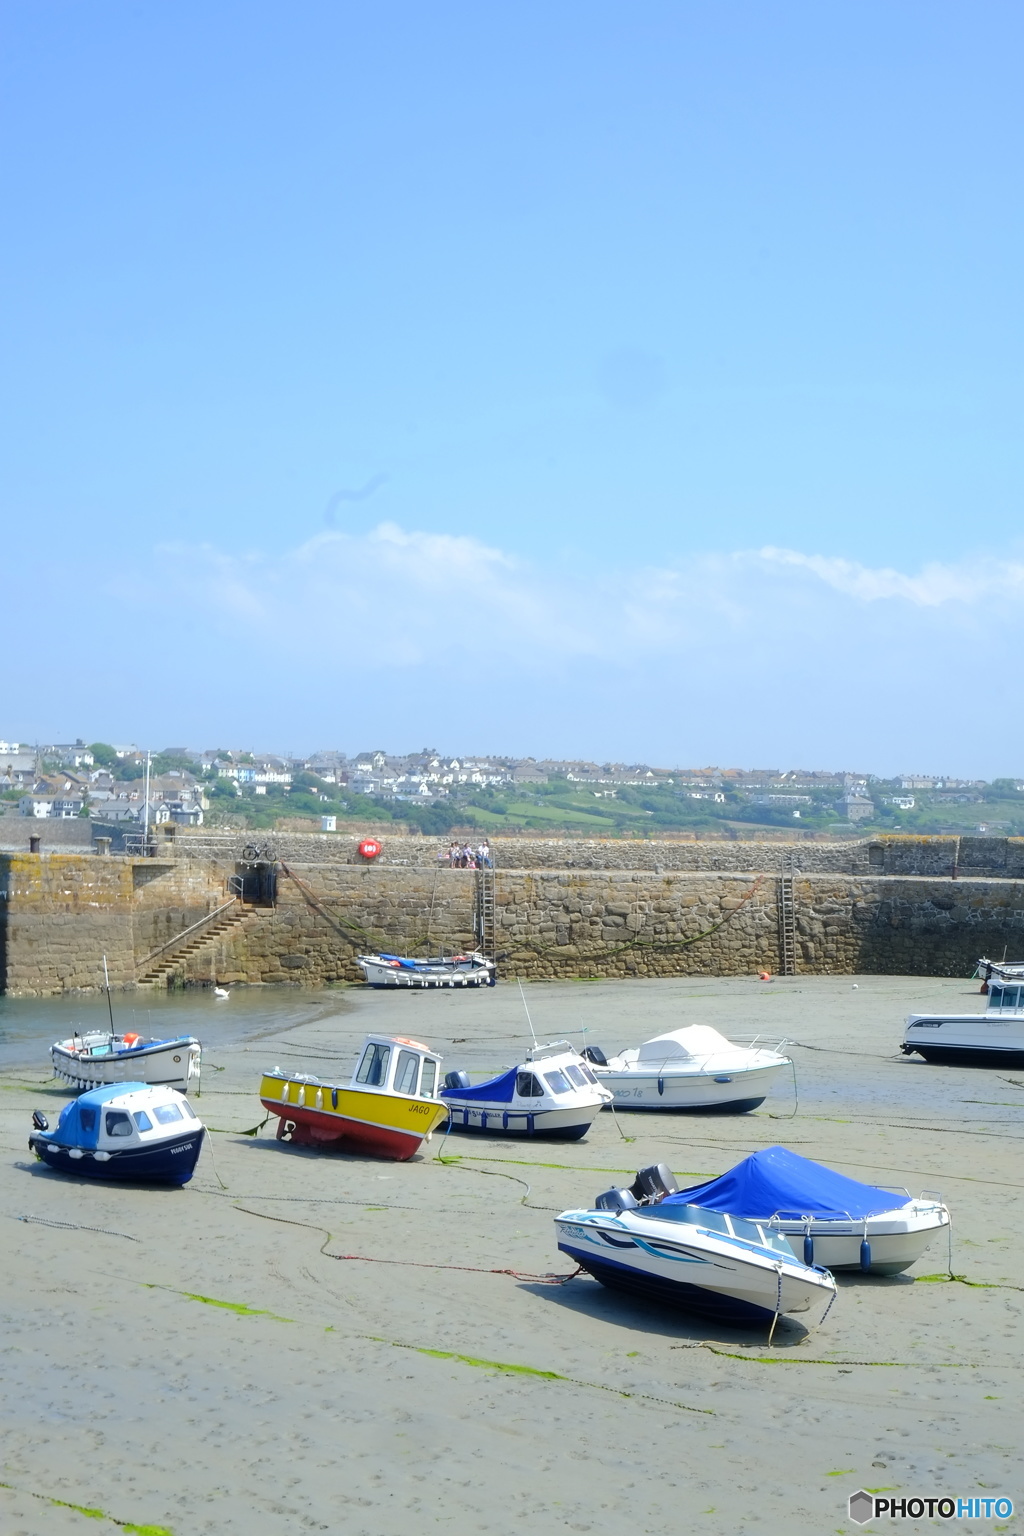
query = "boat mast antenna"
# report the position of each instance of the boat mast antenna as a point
(529, 1021)
(106, 983)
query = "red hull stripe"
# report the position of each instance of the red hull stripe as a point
(380, 1140)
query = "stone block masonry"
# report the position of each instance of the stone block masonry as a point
(59, 913)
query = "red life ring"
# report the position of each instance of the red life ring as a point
(368, 848)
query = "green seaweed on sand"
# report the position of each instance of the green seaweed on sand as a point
(213, 1301)
(508, 1368)
(977, 1285)
(92, 1514)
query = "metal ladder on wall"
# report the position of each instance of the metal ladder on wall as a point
(787, 917)
(483, 915)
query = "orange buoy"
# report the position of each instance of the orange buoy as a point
(131, 1039)
(764, 975)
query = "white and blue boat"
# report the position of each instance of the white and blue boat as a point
(825, 1217)
(101, 1056)
(705, 1262)
(123, 1131)
(553, 1093)
(472, 970)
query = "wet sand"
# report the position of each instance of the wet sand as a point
(200, 1361)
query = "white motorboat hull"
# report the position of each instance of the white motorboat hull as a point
(717, 1277)
(995, 1038)
(507, 1120)
(380, 973)
(170, 1064)
(895, 1239)
(738, 1089)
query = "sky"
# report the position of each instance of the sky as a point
(638, 382)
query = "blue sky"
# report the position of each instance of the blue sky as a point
(638, 382)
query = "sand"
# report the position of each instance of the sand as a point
(178, 1362)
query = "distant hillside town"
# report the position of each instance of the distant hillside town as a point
(124, 785)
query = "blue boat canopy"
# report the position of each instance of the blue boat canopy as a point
(79, 1123)
(777, 1182)
(497, 1090)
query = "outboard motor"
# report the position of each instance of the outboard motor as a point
(40, 1121)
(616, 1200)
(654, 1183)
(595, 1055)
(456, 1080)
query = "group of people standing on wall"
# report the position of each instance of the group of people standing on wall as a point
(463, 856)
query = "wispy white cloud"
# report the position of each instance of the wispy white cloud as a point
(742, 656)
(935, 583)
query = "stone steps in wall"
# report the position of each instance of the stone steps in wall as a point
(159, 972)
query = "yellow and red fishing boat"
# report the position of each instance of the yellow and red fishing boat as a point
(387, 1109)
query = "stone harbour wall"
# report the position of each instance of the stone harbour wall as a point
(61, 912)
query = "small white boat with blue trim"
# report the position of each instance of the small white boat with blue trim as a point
(712, 1264)
(123, 1131)
(692, 1068)
(472, 970)
(552, 1093)
(101, 1056)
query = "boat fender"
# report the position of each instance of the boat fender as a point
(319, 1100)
(334, 1098)
(808, 1249)
(865, 1255)
(661, 1085)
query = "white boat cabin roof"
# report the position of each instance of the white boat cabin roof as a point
(696, 1040)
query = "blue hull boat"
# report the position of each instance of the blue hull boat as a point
(124, 1131)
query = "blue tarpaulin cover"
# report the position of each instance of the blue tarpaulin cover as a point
(777, 1182)
(79, 1122)
(498, 1090)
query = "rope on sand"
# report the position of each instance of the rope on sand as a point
(473, 1269)
(74, 1226)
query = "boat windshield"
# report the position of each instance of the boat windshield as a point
(557, 1082)
(1004, 997)
(718, 1221)
(167, 1113)
(407, 1072)
(373, 1069)
(574, 1075)
(428, 1082)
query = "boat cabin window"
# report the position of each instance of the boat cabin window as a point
(574, 1075)
(88, 1118)
(1004, 997)
(373, 1069)
(587, 1073)
(143, 1121)
(428, 1081)
(407, 1072)
(527, 1086)
(186, 1109)
(118, 1123)
(167, 1113)
(557, 1082)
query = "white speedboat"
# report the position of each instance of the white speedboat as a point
(692, 1068)
(123, 1131)
(100, 1057)
(992, 1038)
(715, 1265)
(472, 970)
(552, 1093)
(825, 1217)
